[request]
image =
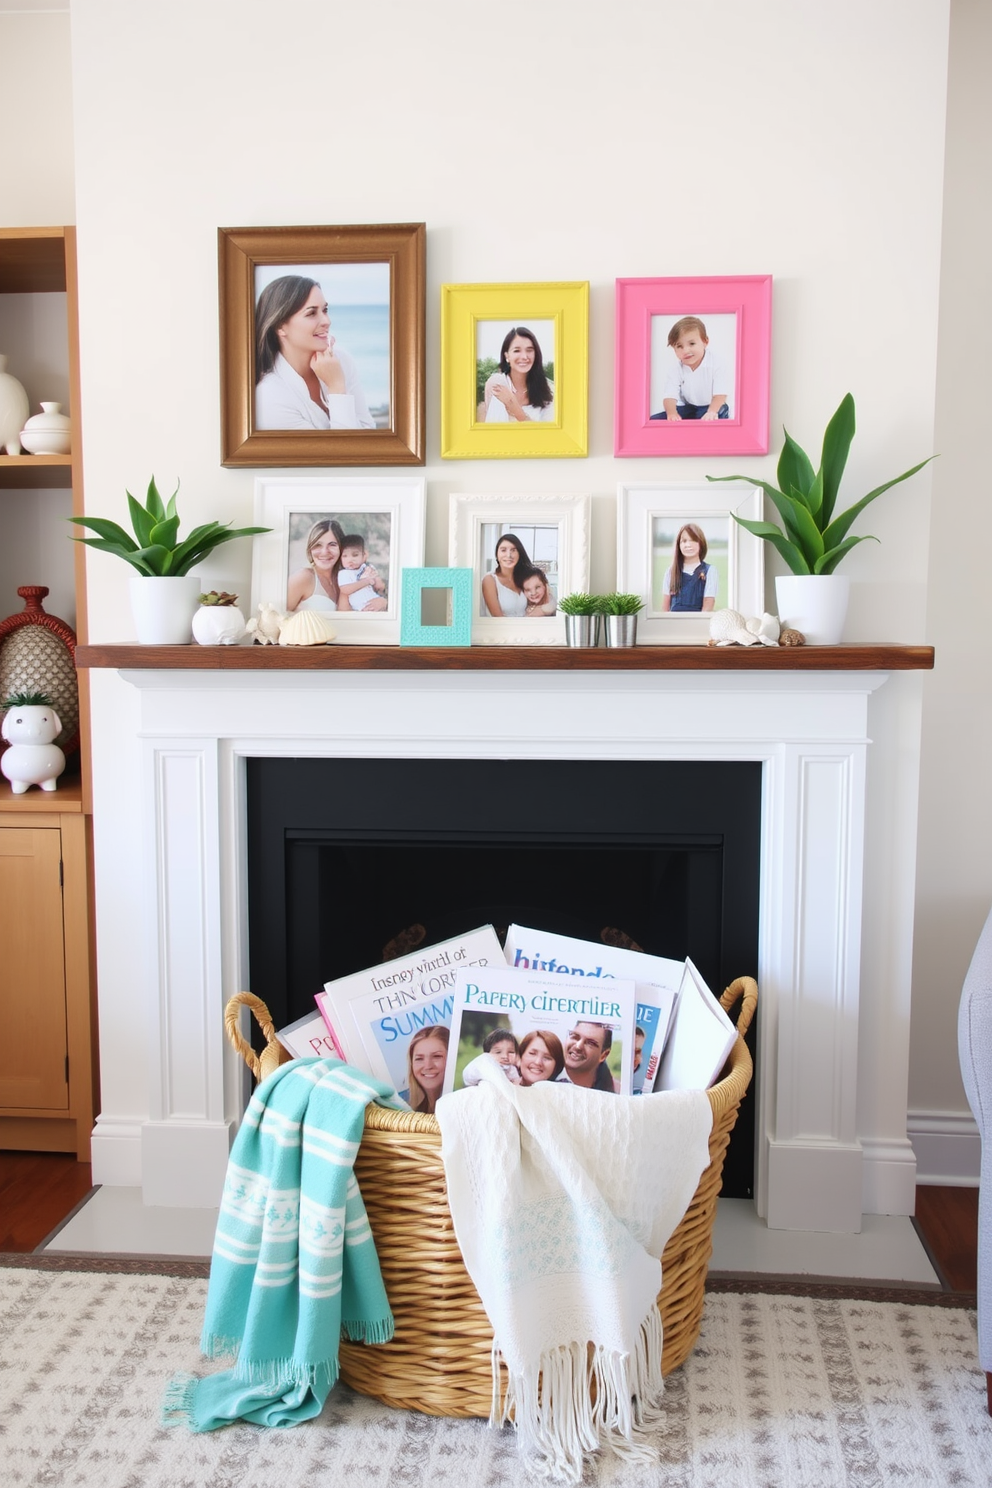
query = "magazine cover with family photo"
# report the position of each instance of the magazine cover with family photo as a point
(537, 1026)
(656, 979)
(682, 1036)
(392, 1020)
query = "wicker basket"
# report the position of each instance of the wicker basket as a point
(439, 1360)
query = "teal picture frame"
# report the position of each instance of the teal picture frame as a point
(413, 632)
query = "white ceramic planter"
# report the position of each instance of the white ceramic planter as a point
(816, 604)
(163, 609)
(218, 625)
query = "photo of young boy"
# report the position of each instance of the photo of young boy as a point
(692, 373)
(500, 1047)
(358, 581)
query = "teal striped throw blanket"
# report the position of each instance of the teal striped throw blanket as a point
(294, 1261)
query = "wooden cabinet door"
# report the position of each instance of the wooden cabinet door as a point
(33, 1044)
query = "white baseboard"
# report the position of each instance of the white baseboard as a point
(948, 1148)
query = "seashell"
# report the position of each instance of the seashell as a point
(790, 637)
(306, 628)
(766, 630)
(729, 628)
(265, 626)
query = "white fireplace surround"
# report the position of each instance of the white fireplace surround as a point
(808, 730)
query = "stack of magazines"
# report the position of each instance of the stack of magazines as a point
(548, 1007)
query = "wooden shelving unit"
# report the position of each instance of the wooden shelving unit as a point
(47, 1074)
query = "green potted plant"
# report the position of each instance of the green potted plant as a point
(581, 613)
(164, 593)
(812, 538)
(620, 612)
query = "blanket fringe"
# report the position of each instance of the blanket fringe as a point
(376, 1330)
(177, 1403)
(219, 1346)
(580, 1399)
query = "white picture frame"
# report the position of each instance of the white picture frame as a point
(649, 516)
(388, 510)
(557, 525)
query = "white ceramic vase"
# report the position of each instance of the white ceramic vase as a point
(48, 432)
(163, 609)
(816, 604)
(14, 409)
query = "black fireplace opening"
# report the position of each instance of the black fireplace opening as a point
(352, 862)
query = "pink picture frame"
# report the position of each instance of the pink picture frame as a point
(735, 315)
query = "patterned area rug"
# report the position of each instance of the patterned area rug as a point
(781, 1391)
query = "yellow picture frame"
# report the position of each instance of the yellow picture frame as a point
(472, 313)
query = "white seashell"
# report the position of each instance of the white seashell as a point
(306, 628)
(767, 629)
(729, 628)
(265, 626)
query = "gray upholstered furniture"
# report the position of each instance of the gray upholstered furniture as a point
(975, 1051)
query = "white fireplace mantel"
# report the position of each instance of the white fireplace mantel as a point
(808, 728)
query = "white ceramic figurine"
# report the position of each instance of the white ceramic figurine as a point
(30, 727)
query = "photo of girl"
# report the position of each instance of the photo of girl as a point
(689, 565)
(426, 1055)
(540, 599)
(515, 386)
(338, 562)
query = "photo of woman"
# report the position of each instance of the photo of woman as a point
(515, 386)
(334, 559)
(426, 1055)
(503, 590)
(542, 1056)
(304, 378)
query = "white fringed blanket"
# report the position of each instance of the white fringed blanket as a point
(562, 1202)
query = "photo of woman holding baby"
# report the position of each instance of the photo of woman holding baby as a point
(338, 562)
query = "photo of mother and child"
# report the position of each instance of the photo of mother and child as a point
(336, 573)
(516, 587)
(540, 1055)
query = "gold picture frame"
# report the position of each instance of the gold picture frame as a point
(386, 263)
(476, 319)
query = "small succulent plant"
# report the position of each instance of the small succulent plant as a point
(27, 700)
(620, 604)
(218, 597)
(578, 604)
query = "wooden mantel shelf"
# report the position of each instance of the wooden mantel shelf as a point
(339, 658)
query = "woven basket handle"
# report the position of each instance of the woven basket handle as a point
(745, 988)
(273, 1054)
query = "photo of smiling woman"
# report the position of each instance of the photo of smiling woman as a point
(514, 384)
(305, 379)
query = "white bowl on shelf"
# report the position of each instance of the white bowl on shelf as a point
(48, 433)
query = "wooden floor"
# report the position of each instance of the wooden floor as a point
(39, 1189)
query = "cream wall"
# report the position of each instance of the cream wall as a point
(954, 874)
(818, 160)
